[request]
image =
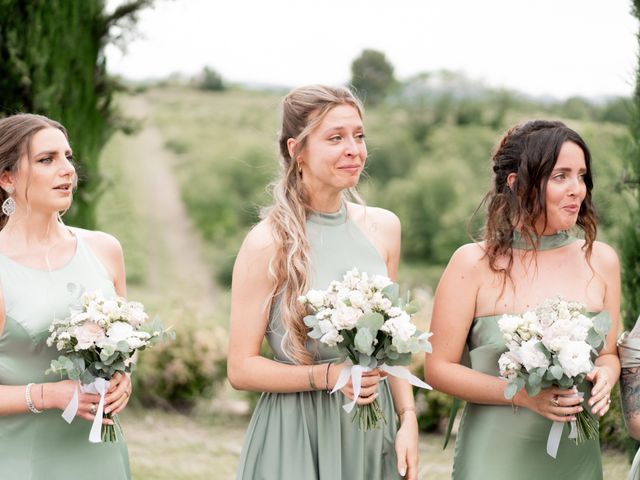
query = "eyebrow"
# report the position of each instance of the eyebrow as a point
(51, 152)
(566, 169)
(341, 127)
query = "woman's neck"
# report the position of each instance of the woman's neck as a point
(327, 202)
(33, 229)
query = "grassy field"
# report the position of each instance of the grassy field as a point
(177, 202)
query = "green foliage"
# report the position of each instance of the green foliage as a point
(180, 373)
(433, 409)
(211, 80)
(52, 62)
(372, 76)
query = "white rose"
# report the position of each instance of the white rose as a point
(380, 282)
(394, 311)
(400, 327)
(88, 334)
(575, 358)
(316, 298)
(509, 323)
(135, 342)
(119, 331)
(136, 316)
(346, 317)
(530, 357)
(380, 302)
(331, 338)
(509, 365)
(357, 299)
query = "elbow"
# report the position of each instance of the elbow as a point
(235, 377)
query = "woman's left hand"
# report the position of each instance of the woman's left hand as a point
(118, 393)
(407, 446)
(600, 400)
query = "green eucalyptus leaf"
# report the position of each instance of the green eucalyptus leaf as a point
(372, 321)
(364, 341)
(392, 292)
(511, 390)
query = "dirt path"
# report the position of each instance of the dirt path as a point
(177, 269)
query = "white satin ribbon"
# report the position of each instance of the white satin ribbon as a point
(555, 434)
(99, 386)
(356, 371)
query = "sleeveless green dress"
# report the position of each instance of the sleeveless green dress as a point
(308, 435)
(496, 443)
(43, 446)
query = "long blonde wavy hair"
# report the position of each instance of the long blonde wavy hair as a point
(303, 109)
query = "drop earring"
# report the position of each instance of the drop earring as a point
(9, 205)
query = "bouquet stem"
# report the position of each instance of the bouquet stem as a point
(112, 433)
(369, 416)
(586, 426)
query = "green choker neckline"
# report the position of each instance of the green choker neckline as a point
(545, 242)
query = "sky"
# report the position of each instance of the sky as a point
(559, 48)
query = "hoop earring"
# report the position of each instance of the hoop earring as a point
(9, 205)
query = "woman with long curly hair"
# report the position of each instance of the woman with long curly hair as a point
(542, 187)
(310, 236)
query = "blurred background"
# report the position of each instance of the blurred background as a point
(172, 109)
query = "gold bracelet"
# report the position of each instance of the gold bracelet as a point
(312, 383)
(404, 410)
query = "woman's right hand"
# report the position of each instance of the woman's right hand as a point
(59, 394)
(368, 388)
(559, 405)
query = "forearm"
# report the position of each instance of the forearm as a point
(611, 363)
(403, 400)
(259, 374)
(14, 398)
(466, 384)
(630, 397)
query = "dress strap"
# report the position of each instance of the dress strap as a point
(87, 255)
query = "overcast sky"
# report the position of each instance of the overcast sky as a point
(540, 47)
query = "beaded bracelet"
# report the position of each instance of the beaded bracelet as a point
(312, 383)
(27, 396)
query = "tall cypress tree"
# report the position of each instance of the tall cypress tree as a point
(630, 242)
(52, 62)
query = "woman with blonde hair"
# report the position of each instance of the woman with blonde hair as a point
(541, 189)
(310, 236)
(39, 257)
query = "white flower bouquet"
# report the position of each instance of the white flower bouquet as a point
(554, 345)
(365, 318)
(98, 339)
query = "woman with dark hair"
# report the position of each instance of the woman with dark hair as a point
(310, 236)
(541, 189)
(39, 257)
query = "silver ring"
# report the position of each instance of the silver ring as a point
(92, 409)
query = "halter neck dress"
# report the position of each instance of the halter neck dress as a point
(43, 446)
(494, 442)
(308, 435)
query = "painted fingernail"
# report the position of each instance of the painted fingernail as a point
(403, 471)
(580, 409)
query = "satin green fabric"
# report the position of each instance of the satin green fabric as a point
(308, 435)
(629, 352)
(496, 443)
(44, 446)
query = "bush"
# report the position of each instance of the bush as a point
(180, 373)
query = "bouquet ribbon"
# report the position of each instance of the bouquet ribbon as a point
(355, 373)
(555, 434)
(99, 386)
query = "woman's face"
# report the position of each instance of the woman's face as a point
(335, 152)
(565, 189)
(45, 181)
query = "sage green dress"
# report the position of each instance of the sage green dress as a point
(43, 446)
(496, 443)
(308, 435)
(629, 352)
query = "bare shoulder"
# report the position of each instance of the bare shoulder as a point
(374, 217)
(104, 244)
(259, 244)
(603, 257)
(470, 255)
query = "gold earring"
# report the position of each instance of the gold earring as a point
(299, 169)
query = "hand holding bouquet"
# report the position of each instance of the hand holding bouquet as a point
(365, 318)
(554, 345)
(98, 339)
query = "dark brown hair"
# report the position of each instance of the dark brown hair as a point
(529, 150)
(16, 133)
